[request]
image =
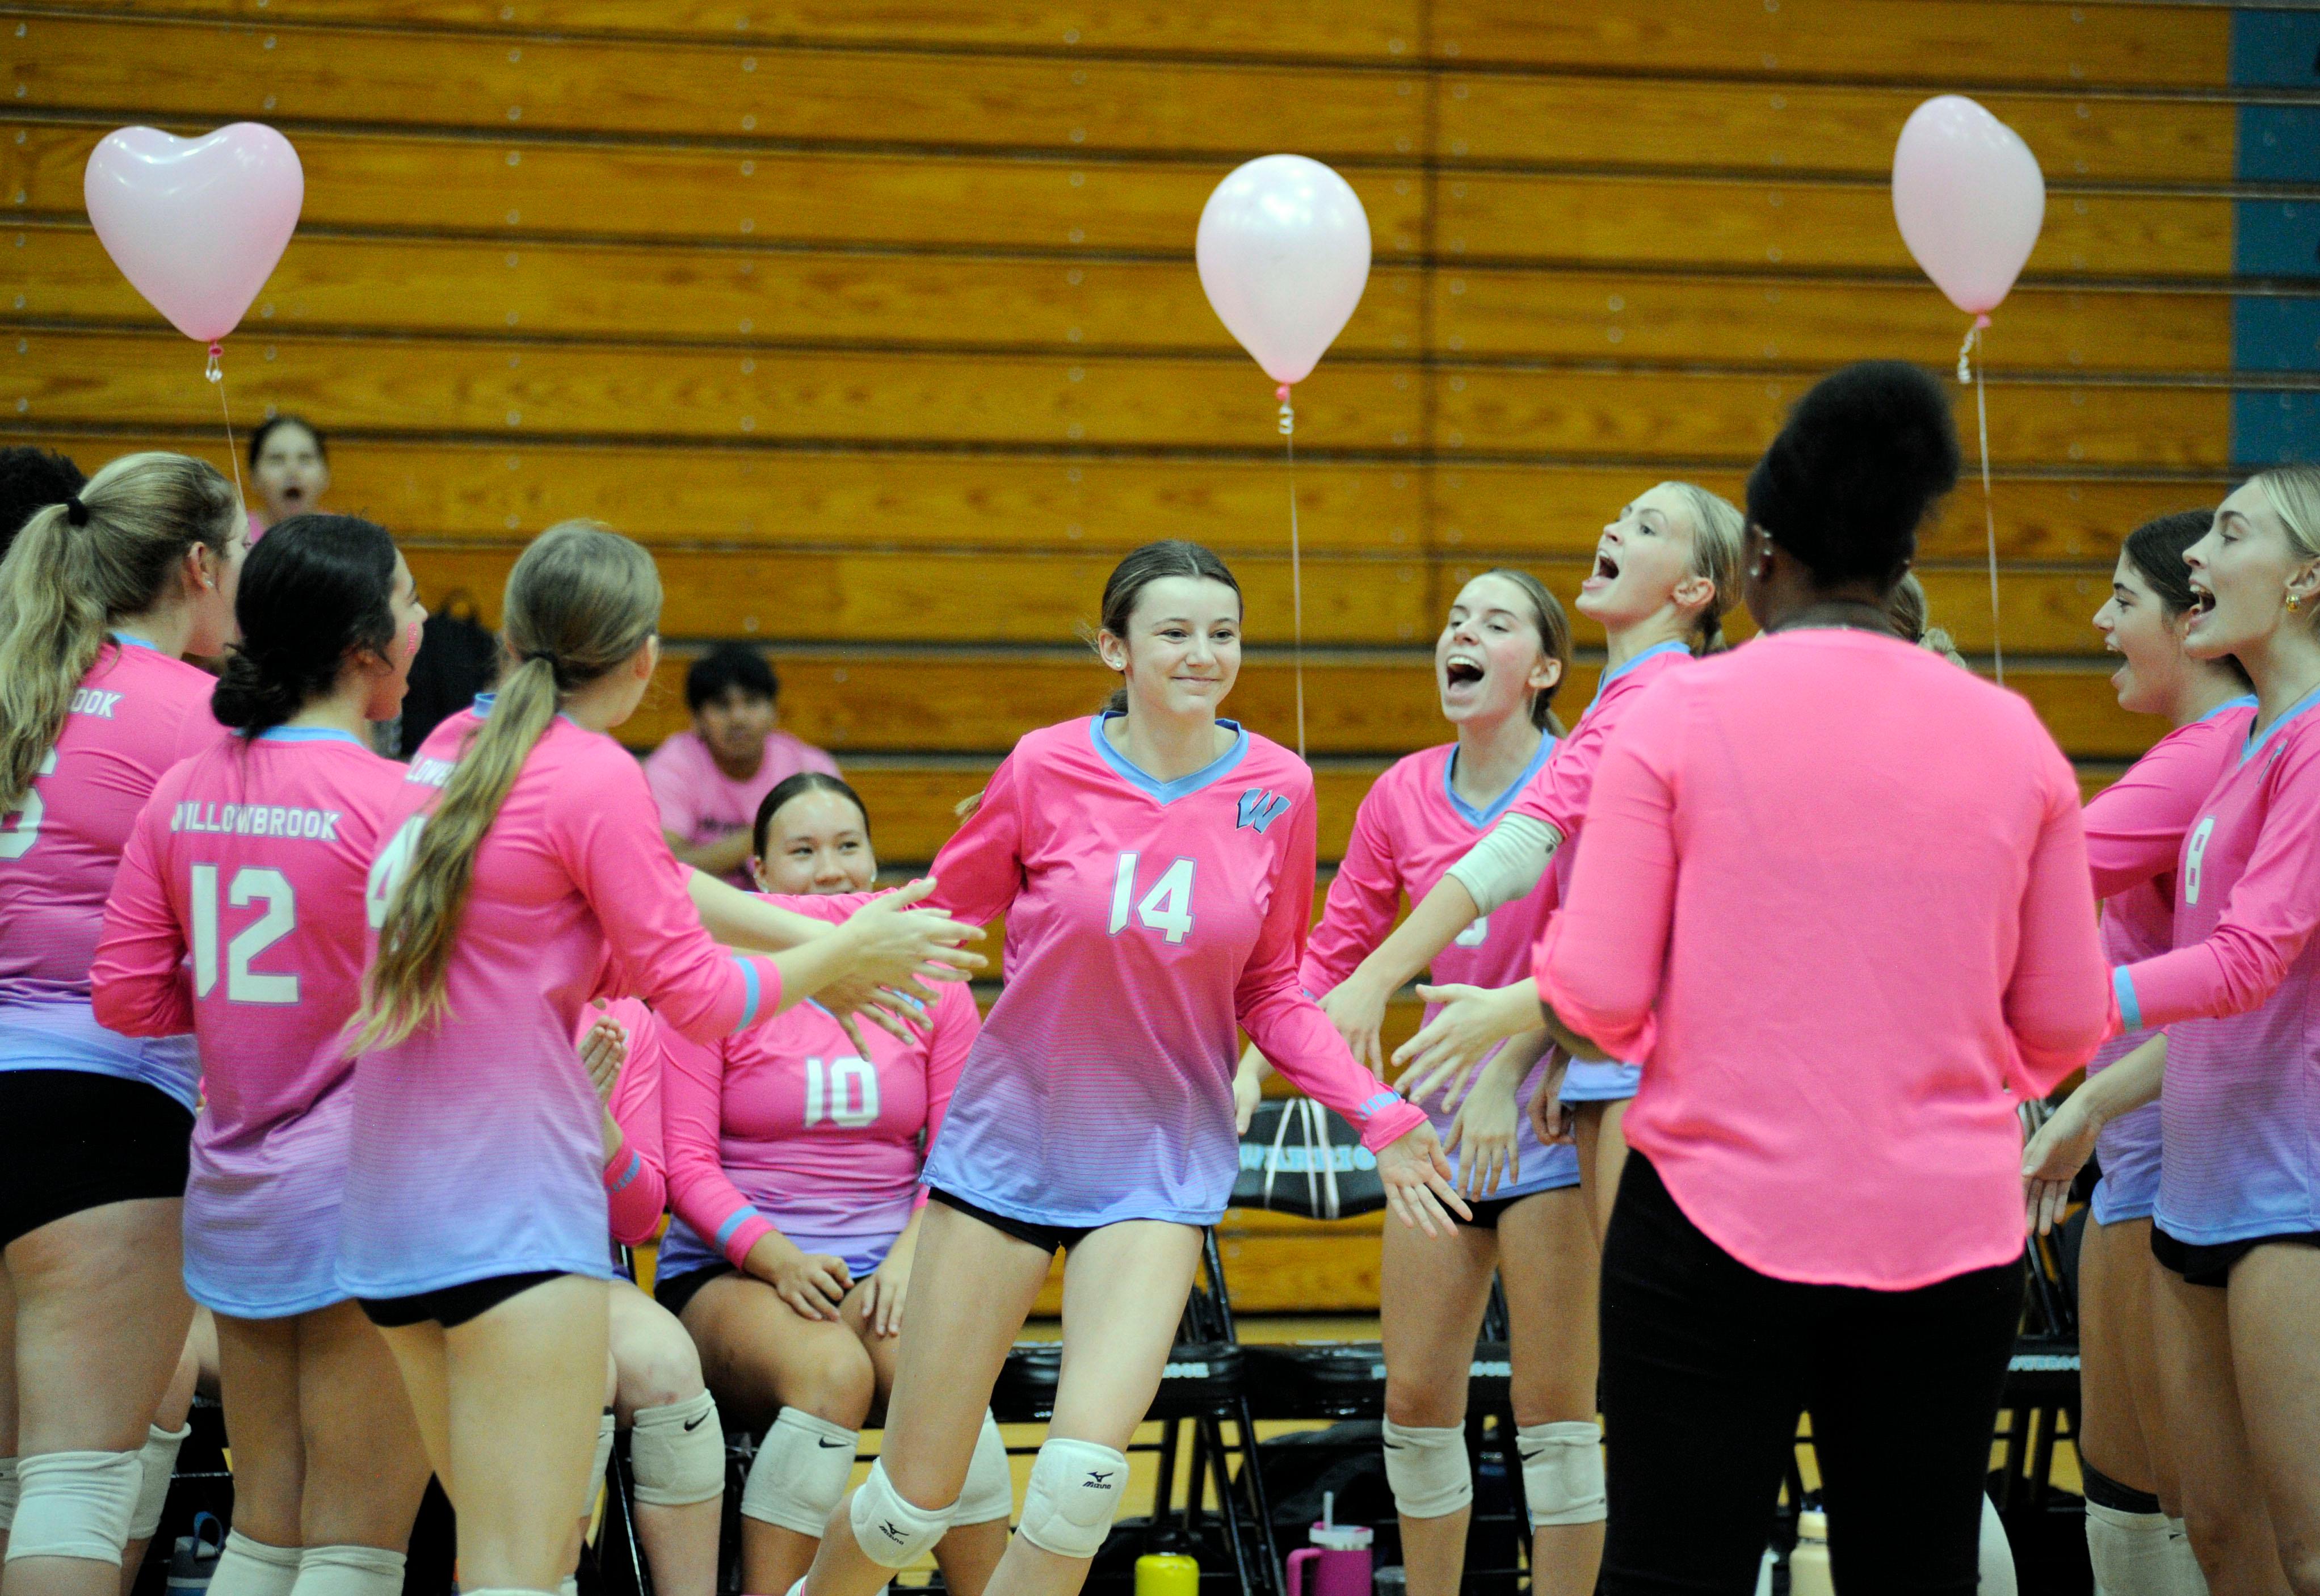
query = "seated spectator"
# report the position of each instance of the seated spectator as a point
(709, 781)
(290, 465)
(33, 479)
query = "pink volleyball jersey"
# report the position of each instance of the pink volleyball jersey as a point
(2144, 816)
(1558, 794)
(477, 1148)
(636, 1178)
(789, 1128)
(1143, 919)
(1410, 829)
(2240, 1116)
(135, 713)
(251, 857)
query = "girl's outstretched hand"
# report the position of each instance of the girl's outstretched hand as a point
(1416, 1179)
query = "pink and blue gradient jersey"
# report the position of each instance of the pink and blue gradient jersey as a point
(137, 712)
(2138, 823)
(1145, 919)
(250, 858)
(1558, 796)
(1410, 829)
(478, 1145)
(636, 1178)
(789, 1128)
(2240, 1116)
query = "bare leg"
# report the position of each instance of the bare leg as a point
(168, 1414)
(2275, 1302)
(969, 1554)
(257, 1371)
(101, 1317)
(2120, 1368)
(657, 1366)
(7, 1379)
(1431, 1296)
(1602, 1157)
(971, 1288)
(365, 1469)
(1548, 1260)
(2224, 1500)
(508, 1404)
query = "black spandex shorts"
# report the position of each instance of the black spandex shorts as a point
(1487, 1210)
(80, 1140)
(673, 1291)
(454, 1305)
(2212, 1266)
(1047, 1238)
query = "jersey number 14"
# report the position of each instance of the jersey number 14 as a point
(1167, 908)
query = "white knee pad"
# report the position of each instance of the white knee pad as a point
(894, 1533)
(799, 1473)
(2191, 1579)
(1428, 1469)
(1998, 1577)
(606, 1426)
(160, 1460)
(989, 1492)
(1073, 1497)
(1562, 1473)
(349, 1571)
(250, 1567)
(75, 1504)
(677, 1452)
(7, 1493)
(2130, 1552)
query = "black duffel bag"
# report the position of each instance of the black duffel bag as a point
(1297, 1158)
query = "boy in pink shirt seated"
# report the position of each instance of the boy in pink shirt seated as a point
(709, 781)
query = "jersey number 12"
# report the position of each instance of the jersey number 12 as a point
(251, 884)
(1167, 908)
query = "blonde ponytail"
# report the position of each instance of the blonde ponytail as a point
(1717, 530)
(112, 550)
(581, 601)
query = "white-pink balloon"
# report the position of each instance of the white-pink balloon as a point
(196, 225)
(1970, 199)
(1284, 253)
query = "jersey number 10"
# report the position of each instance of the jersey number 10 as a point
(841, 1092)
(1167, 908)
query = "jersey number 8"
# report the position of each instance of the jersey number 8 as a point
(1167, 908)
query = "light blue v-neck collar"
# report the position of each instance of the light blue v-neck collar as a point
(1183, 786)
(1482, 820)
(307, 734)
(2255, 743)
(133, 640)
(1653, 652)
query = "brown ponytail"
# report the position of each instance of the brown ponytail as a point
(1717, 530)
(1554, 641)
(581, 601)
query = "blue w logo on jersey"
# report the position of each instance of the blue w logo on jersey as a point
(1260, 809)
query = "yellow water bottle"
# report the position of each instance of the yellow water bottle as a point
(1168, 1573)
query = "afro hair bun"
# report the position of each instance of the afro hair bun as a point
(1861, 462)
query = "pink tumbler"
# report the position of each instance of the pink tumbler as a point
(1340, 1554)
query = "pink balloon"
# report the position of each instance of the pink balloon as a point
(195, 225)
(1284, 253)
(1970, 199)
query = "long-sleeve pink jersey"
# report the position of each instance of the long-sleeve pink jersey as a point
(1144, 919)
(2135, 831)
(1558, 794)
(478, 1145)
(1410, 829)
(2240, 1116)
(636, 1178)
(1834, 896)
(251, 857)
(789, 1127)
(135, 713)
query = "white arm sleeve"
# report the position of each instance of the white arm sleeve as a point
(1508, 862)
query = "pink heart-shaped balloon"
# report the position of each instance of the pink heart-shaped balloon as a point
(195, 225)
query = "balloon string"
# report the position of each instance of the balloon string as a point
(216, 374)
(1296, 563)
(1989, 512)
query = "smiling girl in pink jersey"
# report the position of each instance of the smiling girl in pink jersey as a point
(1666, 572)
(793, 1171)
(99, 598)
(2135, 830)
(1155, 867)
(529, 876)
(2237, 1221)
(1501, 655)
(251, 856)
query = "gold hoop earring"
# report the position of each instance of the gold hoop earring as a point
(2293, 602)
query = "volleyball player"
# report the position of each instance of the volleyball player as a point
(1666, 572)
(794, 1156)
(1156, 864)
(100, 599)
(250, 860)
(1503, 653)
(475, 1216)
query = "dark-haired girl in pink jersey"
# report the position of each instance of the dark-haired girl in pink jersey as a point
(100, 598)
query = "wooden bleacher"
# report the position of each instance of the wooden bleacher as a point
(879, 323)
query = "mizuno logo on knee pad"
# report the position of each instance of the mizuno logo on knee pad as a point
(1097, 1477)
